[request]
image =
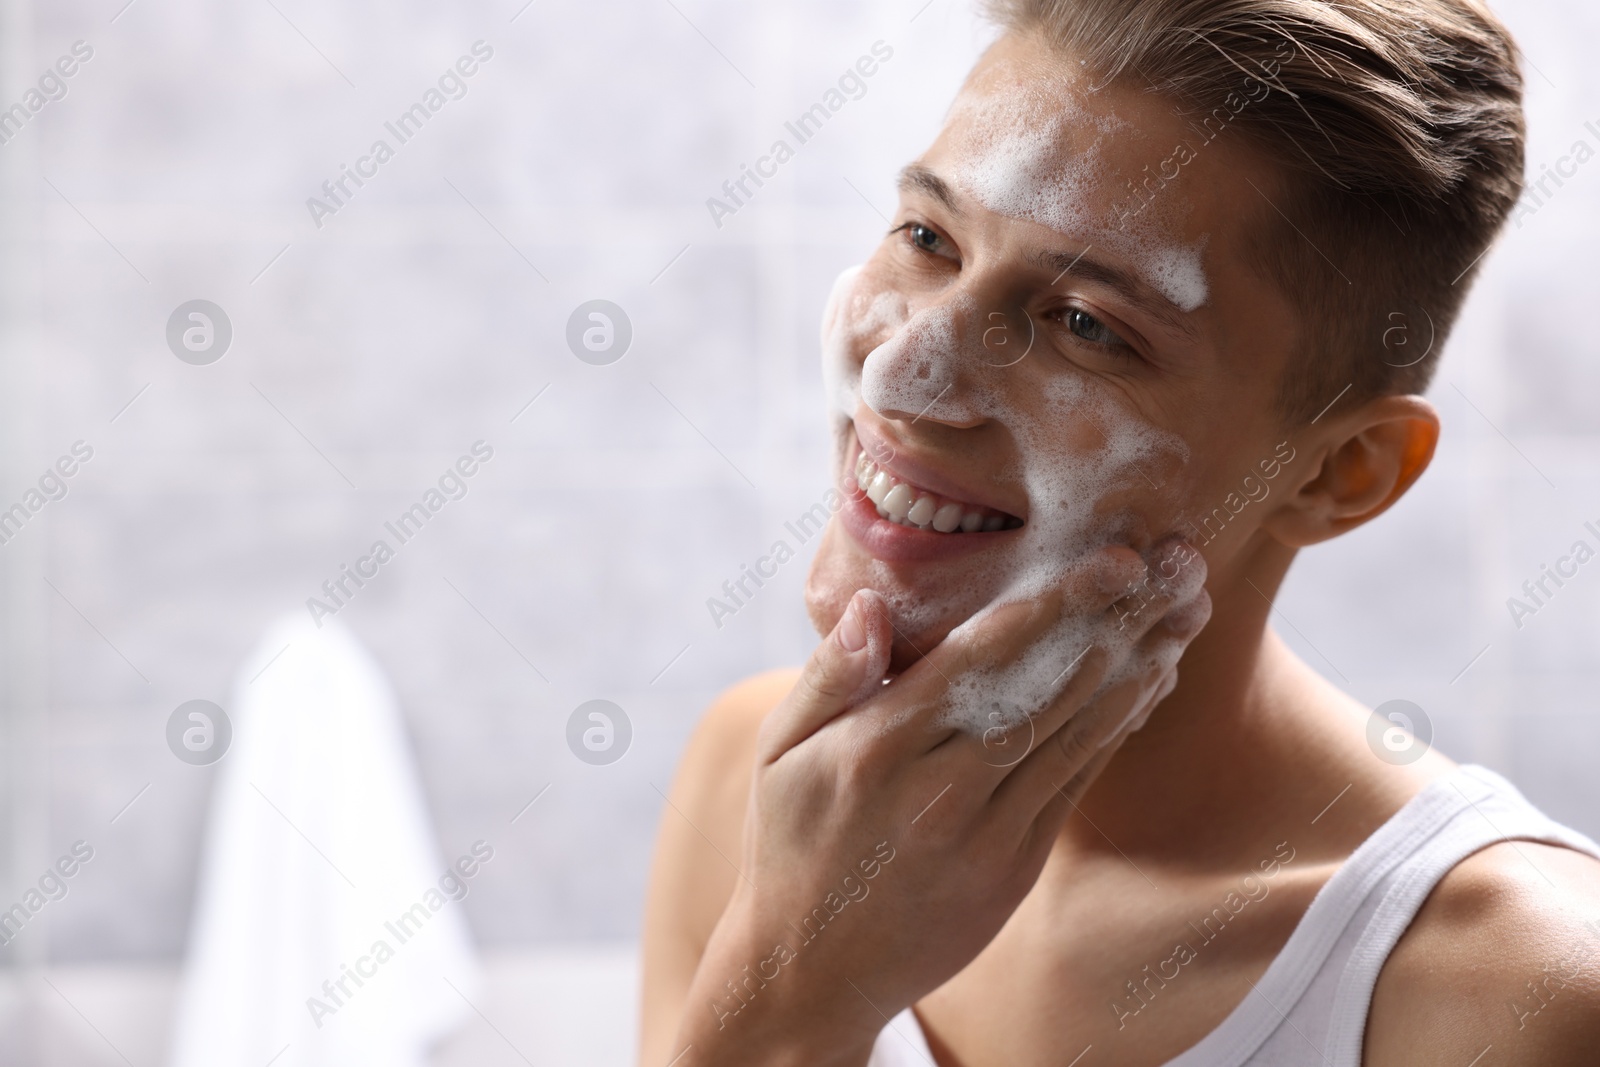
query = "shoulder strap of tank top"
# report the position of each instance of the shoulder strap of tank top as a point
(902, 1044)
(1488, 810)
(1419, 844)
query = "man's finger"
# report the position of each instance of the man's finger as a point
(1064, 754)
(1174, 576)
(846, 668)
(1062, 803)
(1143, 633)
(1001, 635)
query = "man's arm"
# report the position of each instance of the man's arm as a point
(698, 844)
(1502, 963)
(843, 764)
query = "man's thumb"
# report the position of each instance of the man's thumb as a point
(847, 667)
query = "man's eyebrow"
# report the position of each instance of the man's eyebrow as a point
(915, 177)
(1126, 284)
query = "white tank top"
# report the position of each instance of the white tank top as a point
(1310, 1008)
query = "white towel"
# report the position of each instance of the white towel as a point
(318, 837)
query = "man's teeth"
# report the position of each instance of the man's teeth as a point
(907, 505)
(947, 518)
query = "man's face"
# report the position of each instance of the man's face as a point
(1059, 346)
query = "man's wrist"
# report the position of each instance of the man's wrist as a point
(761, 1046)
(753, 1001)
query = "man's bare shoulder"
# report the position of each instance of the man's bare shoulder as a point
(697, 849)
(713, 777)
(724, 741)
(1505, 954)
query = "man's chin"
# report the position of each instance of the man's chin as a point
(829, 588)
(828, 591)
(907, 649)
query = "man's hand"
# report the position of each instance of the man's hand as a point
(886, 843)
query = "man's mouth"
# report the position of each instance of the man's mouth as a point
(907, 504)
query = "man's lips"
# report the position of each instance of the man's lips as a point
(897, 520)
(893, 542)
(924, 479)
(904, 502)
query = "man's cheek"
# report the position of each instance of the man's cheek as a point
(838, 297)
(878, 305)
(1145, 496)
(828, 585)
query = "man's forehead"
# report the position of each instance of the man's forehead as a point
(1020, 79)
(1057, 107)
(1031, 138)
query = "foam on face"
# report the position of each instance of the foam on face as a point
(1015, 166)
(848, 317)
(1028, 150)
(1073, 450)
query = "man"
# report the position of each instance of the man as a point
(1122, 354)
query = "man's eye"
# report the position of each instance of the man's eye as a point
(924, 238)
(1084, 325)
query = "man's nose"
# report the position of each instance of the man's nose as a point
(1008, 336)
(941, 365)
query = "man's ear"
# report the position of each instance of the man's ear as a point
(1370, 457)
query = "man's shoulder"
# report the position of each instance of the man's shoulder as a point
(729, 726)
(714, 774)
(698, 848)
(1504, 954)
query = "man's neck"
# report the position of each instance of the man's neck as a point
(1250, 736)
